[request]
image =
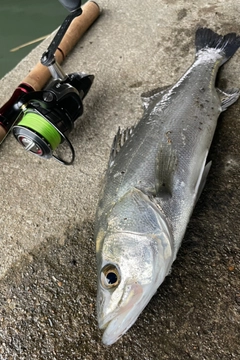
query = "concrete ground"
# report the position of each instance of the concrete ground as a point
(47, 258)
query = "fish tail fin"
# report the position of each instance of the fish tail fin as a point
(225, 46)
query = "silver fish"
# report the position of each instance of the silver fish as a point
(156, 172)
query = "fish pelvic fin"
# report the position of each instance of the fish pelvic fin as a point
(228, 98)
(226, 45)
(166, 164)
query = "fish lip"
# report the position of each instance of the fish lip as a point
(104, 322)
(117, 322)
(110, 340)
(114, 329)
(109, 337)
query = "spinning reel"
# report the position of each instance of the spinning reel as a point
(47, 116)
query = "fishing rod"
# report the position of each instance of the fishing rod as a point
(45, 117)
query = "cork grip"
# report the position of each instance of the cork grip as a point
(39, 75)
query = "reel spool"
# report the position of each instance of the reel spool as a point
(37, 135)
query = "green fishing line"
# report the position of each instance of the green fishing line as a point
(38, 124)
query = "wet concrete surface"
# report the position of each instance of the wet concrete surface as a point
(47, 260)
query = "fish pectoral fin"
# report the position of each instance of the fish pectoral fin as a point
(228, 98)
(149, 96)
(202, 181)
(120, 138)
(166, 164)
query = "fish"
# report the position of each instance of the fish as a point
(156, 172)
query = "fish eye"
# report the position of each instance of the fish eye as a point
(110, 276)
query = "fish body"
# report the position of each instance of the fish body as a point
(156, 172)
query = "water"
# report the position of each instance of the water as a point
(23, 21)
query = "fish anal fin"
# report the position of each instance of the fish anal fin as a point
(166, 164)
(228, 97)
(119, 140)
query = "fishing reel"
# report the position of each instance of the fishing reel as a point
(48, 116)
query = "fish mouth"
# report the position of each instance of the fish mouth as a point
(117, 327)
(116, 323)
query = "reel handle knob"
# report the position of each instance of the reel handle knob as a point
(71, 5)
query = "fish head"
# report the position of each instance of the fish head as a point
(130, 269)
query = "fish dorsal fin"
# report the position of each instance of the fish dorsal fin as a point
(228, 98)
(165, 168)
(119, 140)
(150, 96)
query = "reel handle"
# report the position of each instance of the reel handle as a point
(40, 74)
(48, 56)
